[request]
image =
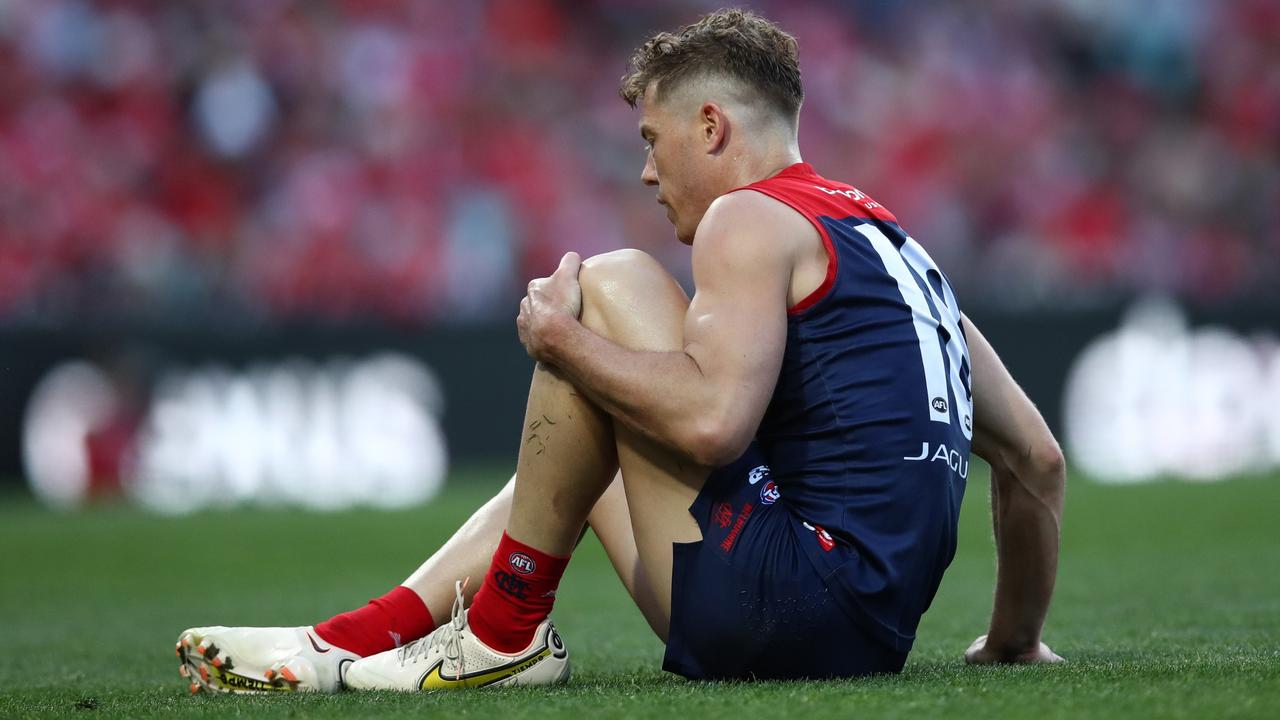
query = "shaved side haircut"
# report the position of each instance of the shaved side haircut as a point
(736, 45)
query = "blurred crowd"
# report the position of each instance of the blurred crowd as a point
(267, 160)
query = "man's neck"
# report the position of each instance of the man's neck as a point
(766, 163)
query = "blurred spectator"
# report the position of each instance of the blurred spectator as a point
(264, 160)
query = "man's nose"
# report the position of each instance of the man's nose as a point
(650, 174)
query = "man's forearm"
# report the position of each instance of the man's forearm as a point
(660, 394)
(1027, 514)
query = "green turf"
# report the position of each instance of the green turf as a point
(1168, 606)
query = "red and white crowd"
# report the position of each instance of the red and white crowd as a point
(249, 161)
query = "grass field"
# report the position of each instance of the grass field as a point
(1168, 605)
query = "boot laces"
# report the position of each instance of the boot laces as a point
(447, 637)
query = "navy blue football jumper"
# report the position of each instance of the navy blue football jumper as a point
(825, 542)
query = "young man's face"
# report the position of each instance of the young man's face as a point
(677, 162)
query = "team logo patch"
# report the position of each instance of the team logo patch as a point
(511, 585)
(723, 514)
(757, 474)
(939, 404)
(522, 563)
(769, 493)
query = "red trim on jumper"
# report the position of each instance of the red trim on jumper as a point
(833, 260)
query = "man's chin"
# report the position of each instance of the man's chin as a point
(681, 234)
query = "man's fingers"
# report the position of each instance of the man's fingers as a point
(979, 654)
(569, 264)
(972, 654)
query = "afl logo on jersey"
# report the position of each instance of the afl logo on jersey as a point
(939, 404)
(522, 563)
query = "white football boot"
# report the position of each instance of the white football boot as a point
(451, 657)
(261, 660)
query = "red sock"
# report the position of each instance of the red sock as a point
(516, 596)
(387, 622)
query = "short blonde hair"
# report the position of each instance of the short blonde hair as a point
(735, 44)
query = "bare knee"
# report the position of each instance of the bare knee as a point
(615, 274)
(627, 295)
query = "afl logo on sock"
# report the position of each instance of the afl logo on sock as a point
(522, 563)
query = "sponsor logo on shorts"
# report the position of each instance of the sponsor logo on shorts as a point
(522, 563)
(729, 540)
(939, 404)
(769, 493)
(757, 474)
(510, 584)
(723, 514)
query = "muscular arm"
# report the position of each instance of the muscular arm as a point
(1028, 480)
(705, 400)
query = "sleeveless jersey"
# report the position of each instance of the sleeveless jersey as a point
(868, 431)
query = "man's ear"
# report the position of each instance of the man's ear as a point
(714, 127)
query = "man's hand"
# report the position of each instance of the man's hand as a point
(548, 301)
(980, 654)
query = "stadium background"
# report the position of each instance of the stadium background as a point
(221, 200)
(269, 252)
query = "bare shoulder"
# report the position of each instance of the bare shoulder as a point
(751, 227)
(750, 222)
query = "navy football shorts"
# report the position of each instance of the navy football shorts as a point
(746, 602)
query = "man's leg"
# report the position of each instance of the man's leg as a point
(566, 460)
(630, 298)
(568, 455)
(464, 555)
(565, 463)
(467, 553)
(610, 520)
(259, 652)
